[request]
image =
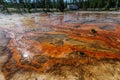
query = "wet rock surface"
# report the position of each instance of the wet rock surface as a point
(60, 47)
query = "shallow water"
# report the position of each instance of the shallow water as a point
(58, 45)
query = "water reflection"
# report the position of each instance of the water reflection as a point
(85, 18)
(50, 20)
(80, 18)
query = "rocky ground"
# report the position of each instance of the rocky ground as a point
(60, 46)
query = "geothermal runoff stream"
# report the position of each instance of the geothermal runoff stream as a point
(60, 46)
